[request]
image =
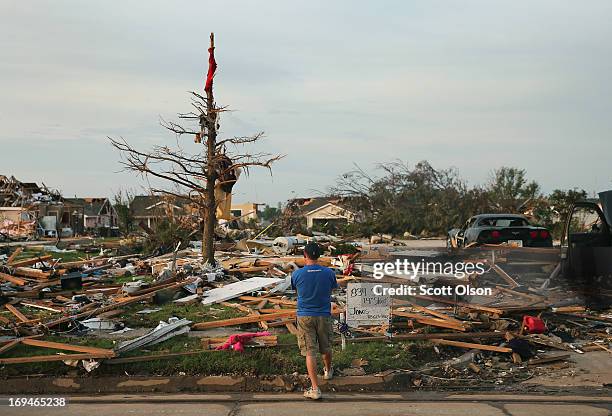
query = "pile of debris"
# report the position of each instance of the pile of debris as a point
(528, 314)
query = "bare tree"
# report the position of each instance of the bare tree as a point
(196, 176)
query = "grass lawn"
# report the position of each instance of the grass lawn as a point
(282, 359)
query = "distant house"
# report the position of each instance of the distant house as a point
(322, 212)
(93, 213)
(151, 209)
(245, 212)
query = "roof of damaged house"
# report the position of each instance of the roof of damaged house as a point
(91, 206)
(307, 205)
(155, 205)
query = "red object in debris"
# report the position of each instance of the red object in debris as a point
(533, 325)
(212, 67)
(236, 342)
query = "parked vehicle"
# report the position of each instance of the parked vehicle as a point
(586, 244)
(512, 229)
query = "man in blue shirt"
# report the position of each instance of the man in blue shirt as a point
(314, 284)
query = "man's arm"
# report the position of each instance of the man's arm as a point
(293, 281)
(334, 282)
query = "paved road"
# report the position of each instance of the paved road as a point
(336, 405)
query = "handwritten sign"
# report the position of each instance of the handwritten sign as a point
(363, 307)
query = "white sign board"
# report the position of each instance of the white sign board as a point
(363, 307)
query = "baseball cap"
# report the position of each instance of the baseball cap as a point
(312, 250)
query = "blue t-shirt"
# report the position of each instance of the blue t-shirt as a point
(314, 285)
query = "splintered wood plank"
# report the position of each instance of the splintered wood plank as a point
(242, 308)
(9, 346)
(43, 307)
(16, 312)
(436, 314)
(471, 345)
(13, 256)
(271, 300)
(29, 272)
(430, 321)
(505, 276)
(14, 280)
(46, 358)
(243, 320)
(31, 261)
(101, 352)
(289, 325)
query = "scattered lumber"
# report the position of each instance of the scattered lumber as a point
(17, 313)
(14, 255)
(243, 320)
(30, 262)
(471, 345)
(30, 272)
(505, 276)
(12, 279)
(441, 323)
(99, 352)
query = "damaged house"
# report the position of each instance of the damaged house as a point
(28, 210)
(150, 210)
(92, 215)
(321, 213)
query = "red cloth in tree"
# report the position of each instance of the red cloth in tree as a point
(236, 342)
(212, 67)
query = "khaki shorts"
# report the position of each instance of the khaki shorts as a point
(315, 334)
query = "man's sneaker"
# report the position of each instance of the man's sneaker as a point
(312, 394)
(328, 375)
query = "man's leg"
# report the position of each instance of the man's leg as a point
(327, 360)
(311, 366)
(307, 338)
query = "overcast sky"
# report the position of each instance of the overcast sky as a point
(466, 84)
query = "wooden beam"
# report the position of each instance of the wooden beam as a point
(9, 346)
(101, 352)
(31, 261)
(14, 280)
(271, 300)
(17, 313)
(46, 358)
(471, 345)
(430, 321)
(14, 255)
(246, 309)
(289, 325)
(505, 276)
(29, 272)
(243, 320)
(428, 311)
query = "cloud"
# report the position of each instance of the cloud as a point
(472, 84)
